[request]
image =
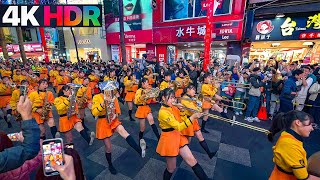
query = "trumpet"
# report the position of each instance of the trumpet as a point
(232, 122)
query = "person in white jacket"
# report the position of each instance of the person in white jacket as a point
(302, 94)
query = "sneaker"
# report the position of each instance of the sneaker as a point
(57, 135)
(92, 136)
(249, 119)
(241, 113)
(143, 146)
(225, 110)
(256, 119)
(237, 113)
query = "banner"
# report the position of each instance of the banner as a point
(115, 53)
(162, 53)
(151, 51)
(291, 27)
(51, 37)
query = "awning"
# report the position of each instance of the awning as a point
(28, 54)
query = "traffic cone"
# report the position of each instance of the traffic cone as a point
(262, 113)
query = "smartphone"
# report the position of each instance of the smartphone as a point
(13, 136)
(52, 154)
(23, 90)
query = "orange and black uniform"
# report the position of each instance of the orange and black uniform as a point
(143, 105)
(15, 98)
(164, 85)
(93, 81)
(150, 78)
(62, 104)
(104, 128)
(192, 104)
(208, 90)
(5, 95)
(290, 158)
(78, 80)
(130, 89)
(37, 99)
(61, 81)
(171, 122)
(84, 90)
(179, 91)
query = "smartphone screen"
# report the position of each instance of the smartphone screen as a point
(13, 136)
(23, 90)
(52, 150)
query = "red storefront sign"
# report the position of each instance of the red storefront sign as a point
(138, 36)
(151, 51)
(35, 47)
(162, 53)
(228, 31)
(208, 36)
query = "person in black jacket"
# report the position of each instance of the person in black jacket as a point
(193, 74)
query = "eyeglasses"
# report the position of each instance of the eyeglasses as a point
(314, 125)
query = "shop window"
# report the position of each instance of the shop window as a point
(186, 9)
(86, 31)
(26, 34)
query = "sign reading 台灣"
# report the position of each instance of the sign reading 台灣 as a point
(287, 28)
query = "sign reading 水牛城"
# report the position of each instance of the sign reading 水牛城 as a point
(50, 15)
(287, 28)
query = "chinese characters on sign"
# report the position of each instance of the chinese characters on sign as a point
(287, 27)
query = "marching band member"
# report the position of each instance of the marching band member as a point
(84, 99)
(6, 71)
(208, 90)
(16, 77)
(144, 111)
(32, 78)
(94, 79)
(24, 75)
(74, 74)
(172, 142)
(290, 157)
(52, 74)
(107, 110)
(79, 79)
(42, 101)
(16, 95)
(167, 81)
(66, 124)
(189, 100)
(6, 88)
(61, 79)
(111, 75)
(43, 72)
(180, 80)
(131, 87)
(149, 75)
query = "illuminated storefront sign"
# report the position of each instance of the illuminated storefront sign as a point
(288, 28)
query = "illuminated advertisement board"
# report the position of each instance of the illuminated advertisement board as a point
(290, 27)
(137, 21)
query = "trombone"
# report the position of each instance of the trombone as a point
(232, 122)
(213, 101)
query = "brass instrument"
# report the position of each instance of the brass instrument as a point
(83, 99)
(46, 107)
(109, 88)
(151, 93)
(11, 84)
(232, 122)
(214, 101)
(73, 99)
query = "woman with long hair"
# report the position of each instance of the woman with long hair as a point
(209, 90)
(144, 111)
(66, 124)
(190, 100)
(172, 142)
(290, 157)
(131, 87)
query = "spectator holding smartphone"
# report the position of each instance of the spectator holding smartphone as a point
(14, 157)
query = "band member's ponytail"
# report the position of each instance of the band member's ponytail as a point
(284, 121)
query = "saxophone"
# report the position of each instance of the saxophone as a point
(110, 105)
(83, 99)
(46, 107)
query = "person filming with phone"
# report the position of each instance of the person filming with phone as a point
(14, 157)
